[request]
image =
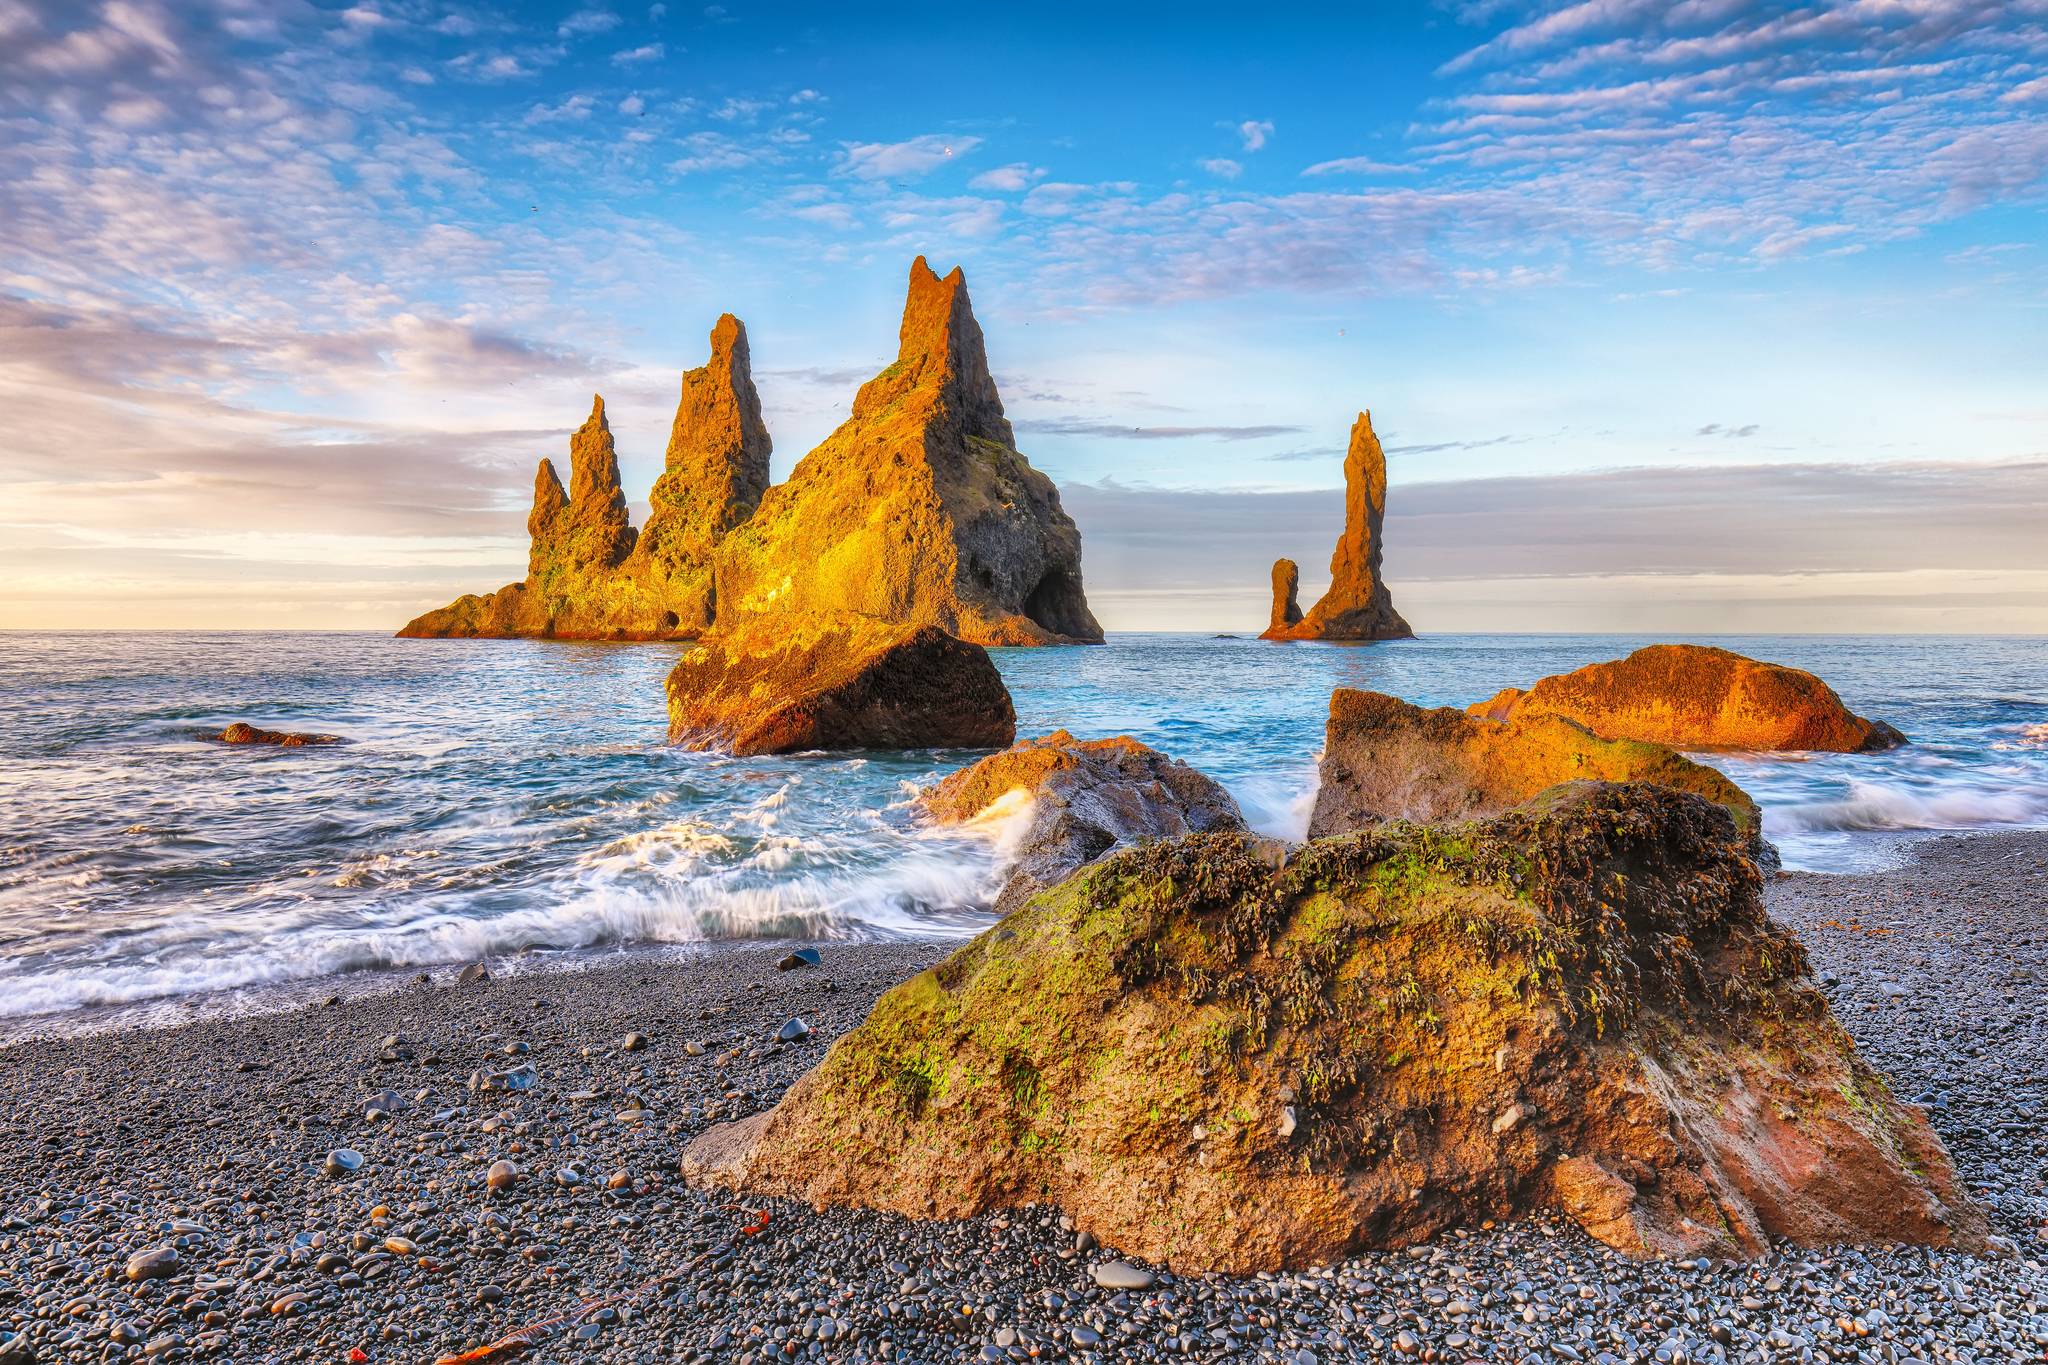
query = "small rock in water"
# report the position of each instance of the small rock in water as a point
(802, 957)
(1121, 1275)
(153, 1264)
(795, 1031)
(473, 973)
(343, 1161)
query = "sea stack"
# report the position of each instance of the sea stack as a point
(589, 574)
(1286, 599)
(1357, 605)
(919, 508)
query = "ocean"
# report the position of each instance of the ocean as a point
(517, 797)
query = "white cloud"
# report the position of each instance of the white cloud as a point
(904, 160)
(1255, 133)
(1222, 167)
(712, 152)
(632, 106)
(1012, 178)
(1358, 165)
(588, 21)
(650, 52)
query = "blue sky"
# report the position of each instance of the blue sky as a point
(1748, 298)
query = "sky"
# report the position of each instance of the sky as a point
(1692, 317)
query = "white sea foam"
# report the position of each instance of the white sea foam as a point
(1279, 803)
(1873, 806)
(680, 883)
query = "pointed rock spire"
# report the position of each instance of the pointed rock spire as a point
(1357, 605)
(599, 529)
(718, 449)
(919, 507)
(942, 358)
(543, 523)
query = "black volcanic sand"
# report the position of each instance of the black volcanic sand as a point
(211, 1139)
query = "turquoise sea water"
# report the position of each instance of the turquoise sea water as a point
(508, 796)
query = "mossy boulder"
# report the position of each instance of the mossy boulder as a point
(1221, 1060)
(833, 680)
(1077, 800)
(1388, 759)
(1698, 698)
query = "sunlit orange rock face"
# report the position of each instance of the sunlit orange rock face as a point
(1357, 605)
(1387, 759)
(1227, 1062)
(589, 574)
(1698, 698)
(919, 507)
(826, 680)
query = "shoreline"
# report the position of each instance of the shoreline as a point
(213, 1136)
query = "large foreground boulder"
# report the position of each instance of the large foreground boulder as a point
(1087, 798)
(919, 508)
(1222, 1064)
(1696, 697)
(837, 681)
(1357, 605)
(1387, 759)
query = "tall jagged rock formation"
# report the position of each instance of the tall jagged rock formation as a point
(716, 471)
(1357, 605)
(919, 508)
(589, 575)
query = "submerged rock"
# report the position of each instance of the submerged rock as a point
(1696, 697)
(837, 681)
(1086, 798)
(1387, 759)
(1597, 964)
(589, 575)
(1357, 605)
(919, 508)
(242, 732)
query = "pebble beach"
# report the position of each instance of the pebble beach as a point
(419, 1170)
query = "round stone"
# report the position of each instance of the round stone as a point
(153, 1264)
(503, 1175)
(343, 1161)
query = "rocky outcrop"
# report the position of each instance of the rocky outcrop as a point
(1087, 798)
(789, 684)
(1387, 759)
(589, 575)
(919, 507)
(1223, 1064)
(1698, 698)
(1357, 605)
(1286, 613)
(241, 732)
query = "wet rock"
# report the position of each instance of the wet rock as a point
(633, 1042)
(342, 1161)
(153, 1264)
(1085, 798)
(243, 733)
(790, 684)
(795, 1031)
(1697, 698)
(472, 974)
(799, 959)
(502, 1175)
(1387, 759)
